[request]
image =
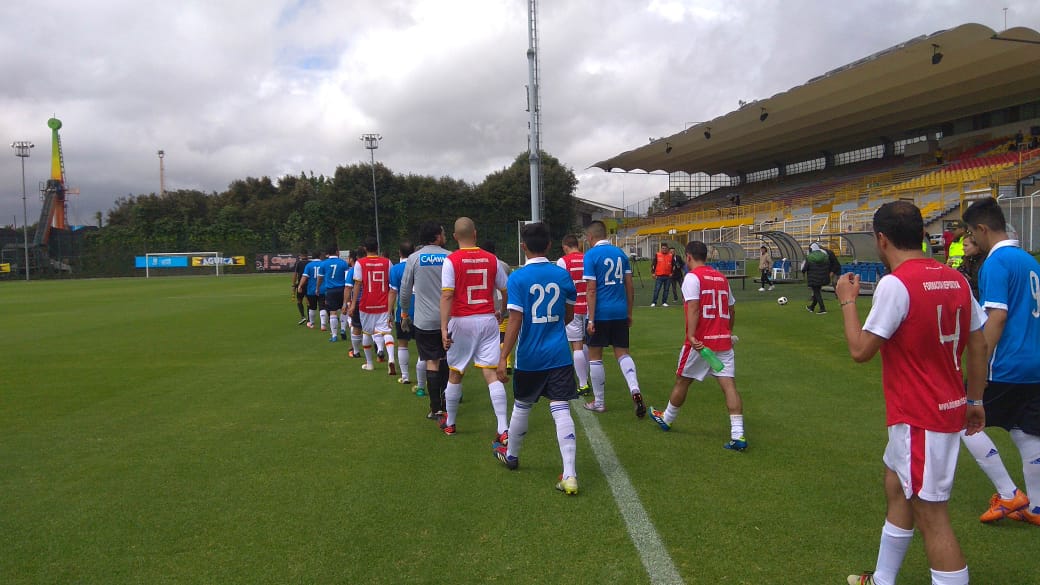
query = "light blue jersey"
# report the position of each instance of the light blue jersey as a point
(541, 291)
(607, 264)
(350, 284)
(1010, 280)
(334, 272)
(312, 270)
(396, 275)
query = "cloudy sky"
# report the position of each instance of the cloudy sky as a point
(237, 88)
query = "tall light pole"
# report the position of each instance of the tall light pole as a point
(162, 173)
(372, 143)
(21, 150)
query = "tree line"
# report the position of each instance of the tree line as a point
(307, 212)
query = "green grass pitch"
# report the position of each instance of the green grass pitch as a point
(185, 430)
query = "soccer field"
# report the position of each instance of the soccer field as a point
(185, 430)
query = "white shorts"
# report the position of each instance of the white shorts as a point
(925, 461)
(375, 323)
(474, 338)
(692, 365)
(576, 328)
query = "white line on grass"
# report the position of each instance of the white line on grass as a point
(658, 564)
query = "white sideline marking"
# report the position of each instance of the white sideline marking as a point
(652, 553)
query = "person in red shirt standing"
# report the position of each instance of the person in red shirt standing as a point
(922, 319)
(708, 305)
(469, 323)
(373, 272)
(573, 261)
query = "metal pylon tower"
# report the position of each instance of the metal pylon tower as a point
(534, 106)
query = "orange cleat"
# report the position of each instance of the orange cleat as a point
(1000, 509)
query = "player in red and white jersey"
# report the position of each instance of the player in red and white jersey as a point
(708, 306)
(373, 272)
(922, 318)
(469, 325)
(573, 261)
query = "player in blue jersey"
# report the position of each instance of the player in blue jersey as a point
(333, 278)
(308, 286)
(541, 300)
(609, 294)
(404, 331)
(1009, 291)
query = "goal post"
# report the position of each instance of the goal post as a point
(167, 260)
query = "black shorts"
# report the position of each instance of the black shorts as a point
(613, 332)
(322, 304)
(403, 335)
(334, 299)
(300, 296)
(429, 344)
(1013, 405)
(554, 384)
(312, 302)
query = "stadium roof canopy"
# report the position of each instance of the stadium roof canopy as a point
(884, 96)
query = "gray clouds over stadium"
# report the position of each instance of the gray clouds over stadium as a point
(241, 88)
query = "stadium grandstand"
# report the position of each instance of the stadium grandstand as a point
(941, 119)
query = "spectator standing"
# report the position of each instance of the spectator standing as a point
(678, 271)
(661, 266)
(817, 268)
(925, 402)
(955, 253)
(765, 265)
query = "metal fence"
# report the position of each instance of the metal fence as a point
(1023, 215)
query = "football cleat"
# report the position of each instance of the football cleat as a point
(761, 289)
(503, 437)
(435, 415)
(637, 398)
(381, 356)
(367, 367)
(593, 407)
(658, 417)
(1024, 515)
(448, 429)
(738, 445)
(302, 321)
(584, 390)
(664, 304)
(568, 485)
(310, 325)
(420, 391)
(391, 369)
(499, 451)
(864, 579)
(999, 509)
(403, 380)
(652, 305)
(334, 339)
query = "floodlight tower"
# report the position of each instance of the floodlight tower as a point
(534, 144)
(372, 143)
(21, 150)
(162, 173)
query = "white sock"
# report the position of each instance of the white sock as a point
(561, 413)
(894, 543)
(518, 427)
(500, 404)
(335, 323)
(355, 342)
(366, 344)
(452, 394)
(950, 578)
(628, 368)
(581, 367)
(311, 314)
(380, 342)
(599, 380)
(736, 426)
(671, 413)
(403, 358)
(420, 373)
(1029, 446)
(391, 353)
(324, 318)
(986, 455)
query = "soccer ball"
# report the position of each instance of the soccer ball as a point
(781, 301)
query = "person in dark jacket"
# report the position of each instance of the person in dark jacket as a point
(820, 267)
(678, 273)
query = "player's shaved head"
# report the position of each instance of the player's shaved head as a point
(596, 231)
(465, 231)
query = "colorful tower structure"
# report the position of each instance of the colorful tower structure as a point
(53, 214)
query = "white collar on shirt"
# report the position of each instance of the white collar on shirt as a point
(602, 242)
(536, 260)
(1003, 244)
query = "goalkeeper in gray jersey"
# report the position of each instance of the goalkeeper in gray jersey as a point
(422, 278)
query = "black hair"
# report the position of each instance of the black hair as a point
(901, 223)
(535, 237)
(570, 240)
(406, 249)
(372, 245)
(986, 212)
(698, 250)
(428, 232)
(333, 250)
(488, 246)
